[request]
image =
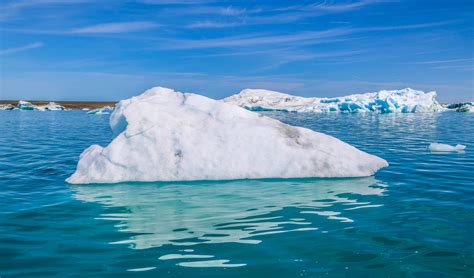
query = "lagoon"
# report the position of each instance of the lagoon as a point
(413, 218)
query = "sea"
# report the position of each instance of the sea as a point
(414, 218)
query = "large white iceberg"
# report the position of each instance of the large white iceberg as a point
(164, 135)
(386, 101)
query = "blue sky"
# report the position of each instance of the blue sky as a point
(110, 50)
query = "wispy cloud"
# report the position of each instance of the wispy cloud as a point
(217, 10)
(256, 39)
(21, 48)
(286, 57)
(214, 24)
(343, 6)
(176, 2)
(456, 67)
(300, 38)
(116, 27)
(443, 61)
(9, 9)
(295, 13)
(261, 15)
(407, 26)
(102, 28)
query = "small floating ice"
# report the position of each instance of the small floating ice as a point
(437, 147)
(164, 135)
(101, 111)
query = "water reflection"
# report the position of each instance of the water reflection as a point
(186, 214)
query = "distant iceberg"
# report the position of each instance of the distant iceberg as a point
(164, 135)
(7, 107)
(402, 101)
(51, 106)
(25, 105)
(462, 107)
(437, 147)
(101, 111)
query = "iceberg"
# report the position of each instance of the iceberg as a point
(25, 105)
(101, 111)
(51, 106)
(7, 107)
(386, 101)
(437, 147)
(462, 107)
(164, 135)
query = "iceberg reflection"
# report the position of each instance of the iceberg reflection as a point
(224, 212)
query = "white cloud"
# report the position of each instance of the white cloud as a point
(9, 9)
(257, 39)
(21, 48)
(175, 2)
(115, 27)
(214, 24)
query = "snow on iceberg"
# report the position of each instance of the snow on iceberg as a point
(164, 135)
(404, 101)
(437, 147)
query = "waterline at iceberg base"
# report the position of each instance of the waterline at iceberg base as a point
(164, 135)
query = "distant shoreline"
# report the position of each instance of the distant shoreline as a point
(66, 104)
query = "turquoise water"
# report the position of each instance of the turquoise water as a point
(413, 219)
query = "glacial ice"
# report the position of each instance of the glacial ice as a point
(437, 147)
(25, 105)
(101, 111)
(386, 101)
(51, 106)
(7, 107)
(462, 107)
(164, 135)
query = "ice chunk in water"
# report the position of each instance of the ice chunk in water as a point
(164, 135)
(437, 147)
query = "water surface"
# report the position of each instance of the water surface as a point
(414, 218)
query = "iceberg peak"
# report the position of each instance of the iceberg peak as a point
(165, 135)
